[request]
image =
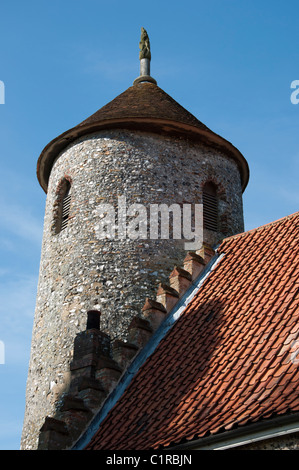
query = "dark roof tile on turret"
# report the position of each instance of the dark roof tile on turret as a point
(145, 100)
(144, 107)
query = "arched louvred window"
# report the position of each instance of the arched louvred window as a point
(210, 207)
(62, 206)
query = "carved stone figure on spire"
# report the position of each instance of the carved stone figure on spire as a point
(144, 46)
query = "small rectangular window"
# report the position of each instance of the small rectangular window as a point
(210, 207)
(62, 206)
(66, 202)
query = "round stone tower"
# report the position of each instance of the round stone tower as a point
(106, 180)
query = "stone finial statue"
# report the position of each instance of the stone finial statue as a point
(144, 46)
(145, 60)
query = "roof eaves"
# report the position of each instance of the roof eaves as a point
(148, 124)
(271, 428)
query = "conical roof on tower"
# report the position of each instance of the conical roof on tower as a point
(144, 107)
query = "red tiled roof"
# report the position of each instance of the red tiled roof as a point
(230, 359)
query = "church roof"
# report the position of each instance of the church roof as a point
(229, 360)
(146, 107)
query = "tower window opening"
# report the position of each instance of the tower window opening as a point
(62, 211)
(66, 202)
(210, 207)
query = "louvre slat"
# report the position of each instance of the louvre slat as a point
(65, 211)
(210, 196)
(210, 220)
(208, 201)
(210, 210)
(67, 200)
(209, 205)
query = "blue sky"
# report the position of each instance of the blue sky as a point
(229, 62)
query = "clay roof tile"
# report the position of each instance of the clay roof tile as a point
(238, 368)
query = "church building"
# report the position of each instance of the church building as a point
(159, 323)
